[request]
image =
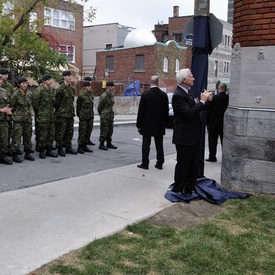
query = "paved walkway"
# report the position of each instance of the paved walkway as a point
(41, 223)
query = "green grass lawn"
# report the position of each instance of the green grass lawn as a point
(239, 240)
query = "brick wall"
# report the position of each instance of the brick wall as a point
(254, 22)
(124, 64)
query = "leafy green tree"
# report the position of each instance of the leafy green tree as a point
(21, 48)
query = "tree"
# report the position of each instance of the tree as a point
(21, 49)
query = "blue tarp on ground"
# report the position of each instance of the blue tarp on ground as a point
(133, 89)
(207, 189)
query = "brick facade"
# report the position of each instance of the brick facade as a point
(254, 22)
(61, 36)
(124, 64)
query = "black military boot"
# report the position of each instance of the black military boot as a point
(4, 159)
(19, 152)
(42, 153)
(50, 153)
(80, 149)
(87, 149)
(15, 158)
(111, 146)
(60, 151)
(90, 143)
(70, 150)
(102, 146)
(28, 156)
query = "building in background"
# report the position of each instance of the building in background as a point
(230, 11)
(219, 60)
(101, 37)
(140, 58)
(63, 29)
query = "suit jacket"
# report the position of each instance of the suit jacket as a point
(215, 111)
(153, 112)
(187, 123)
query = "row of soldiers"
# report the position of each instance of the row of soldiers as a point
(53, 115)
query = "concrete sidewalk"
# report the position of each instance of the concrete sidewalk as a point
(41, 223)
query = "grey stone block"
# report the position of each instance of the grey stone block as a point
(260, 171)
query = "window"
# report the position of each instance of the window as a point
(7, 9)
(67, 50)
(110, 63)
(139, 63)
(33, 18)
(164, 38)
(216, 67)
(225, 67)
(59, 18)
(227, 41)
(165, 64)
(177, 37)
(177, 65)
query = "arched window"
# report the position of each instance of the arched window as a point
(165, 64)
(177, 65)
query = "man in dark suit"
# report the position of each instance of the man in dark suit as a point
(187, 132)
(214, 120)
(151, 122)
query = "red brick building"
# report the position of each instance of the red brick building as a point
(141, 62)
(63, 29)
(174, 30)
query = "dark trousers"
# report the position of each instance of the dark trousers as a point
(146, 142)
(213, 135)
(186, 170)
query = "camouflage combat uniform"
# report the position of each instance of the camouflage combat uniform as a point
(22, 120)
(64, 124)
(4, 119)
(9, 88)
(106, 113)
(43, 105)
(85, 112)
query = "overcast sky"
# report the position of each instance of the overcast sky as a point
(146, 13)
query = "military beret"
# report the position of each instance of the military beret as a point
(4, 71)
(61, 81)
(110, 83)
(86, 83)
(88, 78)
(46, 77)
(21, 79)
(65, 73)
(39, 81)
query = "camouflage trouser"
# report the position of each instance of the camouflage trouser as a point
(4, 134)
(106, 129)
(21, 129)
(45, 134)
(9, 132)
(85, 129)
(64, 131)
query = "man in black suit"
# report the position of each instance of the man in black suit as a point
(151, 122)
(214, 120)
(187, 132)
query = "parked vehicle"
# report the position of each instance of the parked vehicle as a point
(170, 122)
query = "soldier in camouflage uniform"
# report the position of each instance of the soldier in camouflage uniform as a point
(21, 103)
(43, 106)
(88, 78)
(106, 113)
(64, 124)
(85, 112)
(5, 111)
(9, 88)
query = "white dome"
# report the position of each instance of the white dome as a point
(138, 38)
